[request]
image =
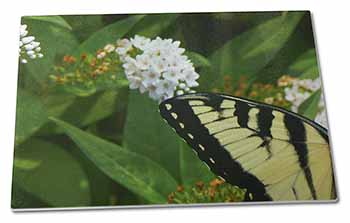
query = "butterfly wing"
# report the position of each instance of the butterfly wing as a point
(273, 153)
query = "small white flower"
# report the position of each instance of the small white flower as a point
(101, 55)
(182, 86)
(289, 96)
(165, 87)
(190, 76)
(30, 52)
(159, 64)
(176, 44)
(130, 66)
(35, 44)
(23, 30)
(28, 48)
(172, 74)
(180, 92)
(140, 42)
(321, 118)
(152, 92)
(123, 47)
(176, 61)
(143, 61)
(180, 50)
(150, 76)
(135, 82)
(316, 84)
(109, 48)
(124, 43)
(27, 39)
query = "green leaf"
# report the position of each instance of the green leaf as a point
(305, 67)
(30, 115)
(82, 111)
(80, 90)
(102, 187)
(150, 135)
(84, 25)
(153, 25)
(138, 173)
(289, 53)
(192, 169)
(249, 52)
(309, 107)
(94, 108)
(51, 174)
(22, 199)
(197, 59)
(57, 20)
(108, 34)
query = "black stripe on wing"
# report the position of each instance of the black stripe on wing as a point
(208, 148)
(241, 111)
(297, 134)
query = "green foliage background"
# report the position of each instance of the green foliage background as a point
(112, 148)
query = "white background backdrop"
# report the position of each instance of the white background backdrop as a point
(331, 23)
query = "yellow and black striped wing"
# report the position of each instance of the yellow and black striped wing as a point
(273, 153)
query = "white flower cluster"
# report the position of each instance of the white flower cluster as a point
(28, 48)
(159, 67)
(302, 90)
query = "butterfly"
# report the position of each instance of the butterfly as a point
(275, 154)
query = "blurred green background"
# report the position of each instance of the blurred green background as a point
(112, 147)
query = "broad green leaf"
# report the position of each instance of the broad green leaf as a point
(22, 199)
(250, 51)
(84, 25)
(57, 20)
(51, 174)
(192, 169)
(146, 133)
(137, 173)
(90, 109)
(288, 54)
(309, 107)
(102, 187)
(82, 111)
(30, 115)
(306, 65)
(197, 59)
(108, 34)
(153, 25)
(55, 42)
